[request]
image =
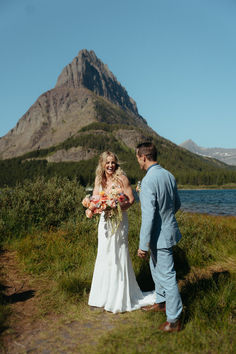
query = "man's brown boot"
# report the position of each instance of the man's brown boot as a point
(161, 307)
(171, 327)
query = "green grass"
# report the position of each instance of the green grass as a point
(62, 255)
(5, 310)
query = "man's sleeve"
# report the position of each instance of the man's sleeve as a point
(177, 199)
(148, 207)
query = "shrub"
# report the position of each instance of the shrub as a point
(40, 204)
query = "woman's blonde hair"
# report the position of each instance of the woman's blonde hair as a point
(100, 170)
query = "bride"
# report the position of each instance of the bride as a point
(114, 286)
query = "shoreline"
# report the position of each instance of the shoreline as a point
(185, 210)
(206, 189)
(213, 187)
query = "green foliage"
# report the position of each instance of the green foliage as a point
(203, 237)
(16, 170)
(56, 203)
(104, 126)
(208, 325)
(112, 114)
(89, 140)
(65, 256)
(40, 204)
(4, 304)
(188, 168)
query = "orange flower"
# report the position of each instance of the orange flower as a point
(86, 202)
(92, 206)
(97, 211)
(103, 207)
(95, 198)
(107, 203)
(104, 197)
(89, 213)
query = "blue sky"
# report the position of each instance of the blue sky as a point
(176, 59)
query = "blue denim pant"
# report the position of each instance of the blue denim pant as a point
(164, 277)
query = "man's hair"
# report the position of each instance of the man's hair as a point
(148, 149)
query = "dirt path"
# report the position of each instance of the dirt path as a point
(53, 334)
(28, 333)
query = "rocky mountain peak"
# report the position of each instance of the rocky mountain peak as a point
(87, 71)
(86, 92)
(190, 145)
(227, 156)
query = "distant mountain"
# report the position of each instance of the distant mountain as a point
(86, 113)
(85, 92)
(227, 156)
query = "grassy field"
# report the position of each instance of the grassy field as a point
(45, 223)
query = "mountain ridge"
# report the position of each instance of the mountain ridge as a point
(76, 100)
(86, 70)
(225, 155)
(67, 128)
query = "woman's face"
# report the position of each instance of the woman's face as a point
(110, 165)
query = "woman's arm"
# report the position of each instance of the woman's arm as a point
(96, 187)
(128, 192)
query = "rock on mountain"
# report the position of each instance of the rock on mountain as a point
(227, 156)
(85, 92)
(86, 70)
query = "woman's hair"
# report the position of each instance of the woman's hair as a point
(148, 149)
(100, 170)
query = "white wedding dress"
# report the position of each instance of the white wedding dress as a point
(114, 286)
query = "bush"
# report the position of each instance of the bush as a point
(40, 204)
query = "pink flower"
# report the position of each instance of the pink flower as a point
(86, 202)
(89, 213)
(113, 204)
(97, 211)
(103, 207)
(95, 198)
(92, 206)
(108, 203)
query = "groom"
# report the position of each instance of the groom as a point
(159, 232)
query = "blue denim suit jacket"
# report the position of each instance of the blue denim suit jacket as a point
(159, 203)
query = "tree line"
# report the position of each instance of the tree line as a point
(188, 168)
(15, 171)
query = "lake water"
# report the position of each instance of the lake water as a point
(217, 202)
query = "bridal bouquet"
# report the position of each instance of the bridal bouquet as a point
(107, 203)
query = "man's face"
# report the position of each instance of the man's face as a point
(141, 161)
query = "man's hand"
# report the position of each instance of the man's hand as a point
(142, 254)
(124, 205)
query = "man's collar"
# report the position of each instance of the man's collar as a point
(155, 164)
